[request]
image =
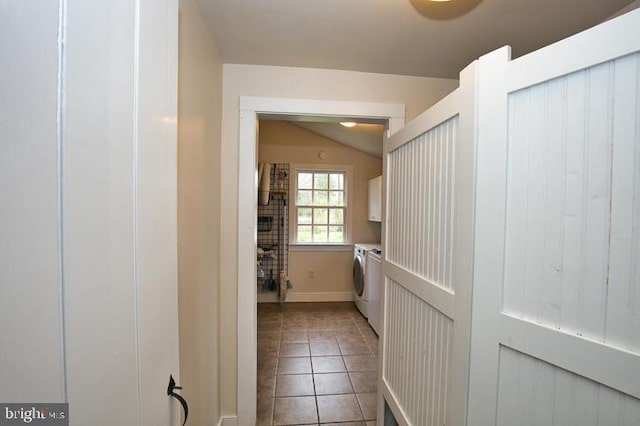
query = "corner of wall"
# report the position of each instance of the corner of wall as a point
(199, 142)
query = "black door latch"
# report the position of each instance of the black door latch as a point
(171, 392)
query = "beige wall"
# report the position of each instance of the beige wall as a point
(282, 142)
(199, 123)
(417, 93)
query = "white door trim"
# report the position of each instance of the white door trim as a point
(250, 108)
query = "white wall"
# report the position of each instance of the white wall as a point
(88, 246)
(416, 93)
(199, 122)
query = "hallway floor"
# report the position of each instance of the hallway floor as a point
(317, 365)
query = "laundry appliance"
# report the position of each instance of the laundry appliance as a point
(373, 284)
(360, 291)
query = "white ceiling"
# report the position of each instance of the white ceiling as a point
(390, 36)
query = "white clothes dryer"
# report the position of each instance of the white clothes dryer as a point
(373, 284)
(360, 293)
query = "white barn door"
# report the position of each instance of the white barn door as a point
(556, 298)
(427, 251)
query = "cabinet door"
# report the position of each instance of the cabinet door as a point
(374, 199)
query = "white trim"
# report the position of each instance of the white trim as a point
(250, 107)
(228, 421)
(291, 106)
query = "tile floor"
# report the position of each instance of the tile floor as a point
(317, 365)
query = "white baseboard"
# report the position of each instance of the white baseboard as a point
(228, 421)
(292, 296)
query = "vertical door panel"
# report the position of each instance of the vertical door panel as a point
(553, 339)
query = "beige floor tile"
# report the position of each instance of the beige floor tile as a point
(364, 382)
(360, 321)
(269, 307)
(295, 410)
(294, 385)
(345, 326)
(267, 367)
(299, 306)
(264, 412)
(339, 408)
(294, 349)
(322, 336)
(269, 339)
(268, 350)
(266, 386)
(361, 362)
(294, 337)
(324, 348)
(368, 404)
(297, 365)
(349, 336)
(320, 325)
(332, 383)
(269, 324)
(270, 316)
(327, 364)
(269, 335)
(297, 325)
(353, 348)
(368, 333)
(373, 345)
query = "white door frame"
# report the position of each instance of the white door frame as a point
(250, 108)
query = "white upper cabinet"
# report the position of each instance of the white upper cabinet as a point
(375, 199)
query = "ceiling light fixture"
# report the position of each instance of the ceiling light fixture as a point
(348, 123)
(443, 10)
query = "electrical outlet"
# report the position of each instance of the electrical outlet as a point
(311, 273)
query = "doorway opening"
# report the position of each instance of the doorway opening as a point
(251, 110)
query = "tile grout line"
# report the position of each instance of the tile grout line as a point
(362, 338)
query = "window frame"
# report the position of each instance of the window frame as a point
(294, 169)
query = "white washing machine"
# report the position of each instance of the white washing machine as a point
(360, 293)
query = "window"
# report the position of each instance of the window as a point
(320, 206)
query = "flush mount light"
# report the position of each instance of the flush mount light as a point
(443, 10)
(348, 123)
